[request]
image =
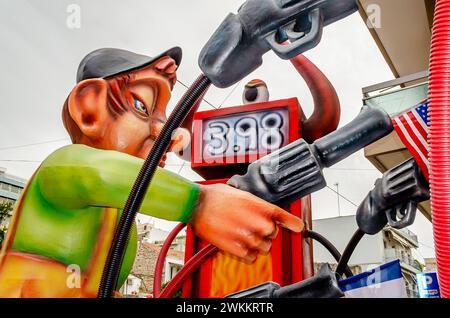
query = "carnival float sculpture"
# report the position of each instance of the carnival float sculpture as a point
(79, 207)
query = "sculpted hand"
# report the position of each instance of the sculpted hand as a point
(238, 222)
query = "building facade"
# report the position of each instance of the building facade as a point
(373, 250)
(147, 232)
(430, 264)
(150, 242)
(131, 287)
(10, 187)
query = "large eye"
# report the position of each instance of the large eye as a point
(140, 106)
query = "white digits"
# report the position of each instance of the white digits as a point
(272, 138)
(247, 128)
(216, 142)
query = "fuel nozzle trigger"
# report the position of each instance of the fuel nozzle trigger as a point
(394, 199)
(236, 48)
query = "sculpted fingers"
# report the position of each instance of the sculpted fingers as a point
(287, 220)
(257, 242)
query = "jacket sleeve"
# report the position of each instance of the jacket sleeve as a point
(78, 176)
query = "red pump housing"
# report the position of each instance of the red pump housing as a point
(221, 148)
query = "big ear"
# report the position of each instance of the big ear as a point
(88, 106)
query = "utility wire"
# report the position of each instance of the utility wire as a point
(64, 139)
(354, 169)
(428, 246)
(229, 95)
(348, 200)
(33, 144)
(182, 166)
(210, 104)
(206, 101)
(19, 160)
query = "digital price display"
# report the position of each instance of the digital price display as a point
(249, 133)
(236, 136)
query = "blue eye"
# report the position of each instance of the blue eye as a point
(140, 106)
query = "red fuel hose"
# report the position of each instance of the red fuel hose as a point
(186, 272)
(439, 141)
(188, 269)
(157, 277)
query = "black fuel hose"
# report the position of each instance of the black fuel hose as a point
(349, 249)
(330, 248)
(117, 250)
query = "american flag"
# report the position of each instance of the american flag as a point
(412, 127)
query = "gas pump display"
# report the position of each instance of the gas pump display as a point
(234, 136)
(252, 134)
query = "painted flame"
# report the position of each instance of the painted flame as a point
(230, 275)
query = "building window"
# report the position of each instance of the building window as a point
(174, 269)
(15, 189)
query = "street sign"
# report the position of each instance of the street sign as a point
(428, 285)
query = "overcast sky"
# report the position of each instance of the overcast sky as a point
(40, 54)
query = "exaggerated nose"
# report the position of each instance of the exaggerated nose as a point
(181, 138)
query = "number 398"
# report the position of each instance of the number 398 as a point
(247, 134)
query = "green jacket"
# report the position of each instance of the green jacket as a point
(61, 212)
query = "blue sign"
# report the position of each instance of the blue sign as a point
(428, 285)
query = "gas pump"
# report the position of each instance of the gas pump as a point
(225, 141)
(283, 177)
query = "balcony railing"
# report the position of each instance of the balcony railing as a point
(410, 235)
(393, 254)
(394, 97)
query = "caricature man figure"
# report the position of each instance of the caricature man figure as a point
(67, 215)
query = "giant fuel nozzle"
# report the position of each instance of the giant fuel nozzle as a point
(394, 199)
(237, 46)
(322, 285)
(296, 169)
